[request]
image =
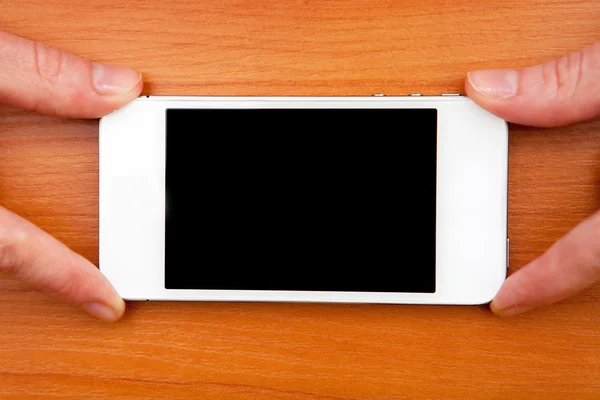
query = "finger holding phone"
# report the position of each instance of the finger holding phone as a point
(41, 78)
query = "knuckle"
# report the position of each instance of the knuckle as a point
(47, 62)
(563, 76)
(10, 243)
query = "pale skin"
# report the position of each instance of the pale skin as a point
(47, 80)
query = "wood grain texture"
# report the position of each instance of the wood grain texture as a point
(48, 173)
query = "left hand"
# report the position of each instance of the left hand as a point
(41, 78)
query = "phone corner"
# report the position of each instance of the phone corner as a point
(483, 300)
(102, 123)
(486, 296)
(117, 111)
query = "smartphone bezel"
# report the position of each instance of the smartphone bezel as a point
(471, 200)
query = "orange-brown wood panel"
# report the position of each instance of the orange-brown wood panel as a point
(49, 174)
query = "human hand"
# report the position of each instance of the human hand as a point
(37, 77)
(561, 92)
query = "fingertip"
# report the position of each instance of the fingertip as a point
(120, 99)
(128, 96)
(107, 296)
(508, 300)
(497, 308)
(509, 311)
(500, 309)
(495, 84)
(112, 80)
(118, 306)
(89, 288)
(110, 312)
(494, 90)
(115, 97)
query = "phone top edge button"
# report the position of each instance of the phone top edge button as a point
(507, 253)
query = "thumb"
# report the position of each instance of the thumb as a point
(560, 92)
(38, 77)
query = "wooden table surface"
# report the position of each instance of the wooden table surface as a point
(49, 174)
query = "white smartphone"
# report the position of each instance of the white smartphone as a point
(304, 199)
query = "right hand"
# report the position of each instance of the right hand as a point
(561, 92)
(44, 79)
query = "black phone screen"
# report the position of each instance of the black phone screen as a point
(301, 199)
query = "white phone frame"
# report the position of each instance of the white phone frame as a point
(471, 204)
